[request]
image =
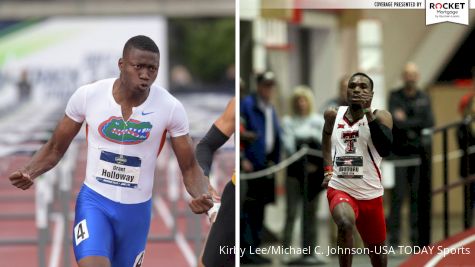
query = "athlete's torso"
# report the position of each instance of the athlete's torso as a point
(122, 154)
(356, 163)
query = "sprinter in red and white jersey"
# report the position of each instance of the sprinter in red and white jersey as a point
(355, 138)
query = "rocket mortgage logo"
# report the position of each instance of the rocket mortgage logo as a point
(455, 11)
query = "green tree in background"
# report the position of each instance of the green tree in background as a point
(204, 46)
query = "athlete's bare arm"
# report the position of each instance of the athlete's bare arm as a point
(48, 155)
(329, 115)
(383, 116)
(196, 183)
(226, 122)
(216, 136)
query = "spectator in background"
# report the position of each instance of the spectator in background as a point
(246, 137)
(304, 177)
(24, 87)
(340, 100)
(229, 79)
(260, 117)
(411, 110)
(180, 77)
(466, 138)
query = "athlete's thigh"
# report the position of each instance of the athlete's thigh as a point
(220, 245)
(342, 205)
(92, 232)
(371, 223)
(131, 226)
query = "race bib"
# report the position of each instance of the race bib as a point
(119, 170)
(349, 167)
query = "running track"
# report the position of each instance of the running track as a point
(460, 250)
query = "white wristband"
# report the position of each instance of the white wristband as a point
(214, 209)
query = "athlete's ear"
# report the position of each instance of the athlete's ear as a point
(121, 64)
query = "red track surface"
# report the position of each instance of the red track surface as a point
(458, 255)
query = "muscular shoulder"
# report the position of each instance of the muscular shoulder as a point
(384, 117)
(383, 113)
(330, 114)
(225, 122)
(161, 96)
(97, 89)
(100, 84)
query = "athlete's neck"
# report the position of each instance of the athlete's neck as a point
(127, 97)
(354, 113)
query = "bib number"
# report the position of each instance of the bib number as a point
(139, 259)
(349, 167)
(119, 170)
(80, 232)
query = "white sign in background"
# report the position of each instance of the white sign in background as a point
(455, 11)
(248, 7)
(64, 53)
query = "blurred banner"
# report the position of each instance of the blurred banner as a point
(62, 53)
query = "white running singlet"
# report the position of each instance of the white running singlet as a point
(356, 163)
(121, 155)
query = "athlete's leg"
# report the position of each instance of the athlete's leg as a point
(94, 261)
(372, 228)
(344, 217)
(131, 224)
(92, 233)
(344, 211)
(377, 255)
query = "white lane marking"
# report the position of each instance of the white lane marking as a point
(57, 240)
(440, 256)
(167, 217)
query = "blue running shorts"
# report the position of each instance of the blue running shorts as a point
(106, 228)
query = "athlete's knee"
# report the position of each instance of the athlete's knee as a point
(345, 224)
(94, 261)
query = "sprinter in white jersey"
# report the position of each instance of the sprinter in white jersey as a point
(355, 138)
(127, 120)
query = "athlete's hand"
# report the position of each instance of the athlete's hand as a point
(214, 194)
(366, 98)
(201, 204)
(326, 179)
(21, 179)
(213, 212)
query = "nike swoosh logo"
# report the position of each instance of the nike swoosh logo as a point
(146, 113)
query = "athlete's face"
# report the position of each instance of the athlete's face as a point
(359, 89)
(139, 69)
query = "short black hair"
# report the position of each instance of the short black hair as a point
(364, 75)
(141, 42)
(265, 77)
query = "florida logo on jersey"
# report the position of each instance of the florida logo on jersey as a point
(116, 130)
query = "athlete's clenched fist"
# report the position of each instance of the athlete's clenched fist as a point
(21, 180)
